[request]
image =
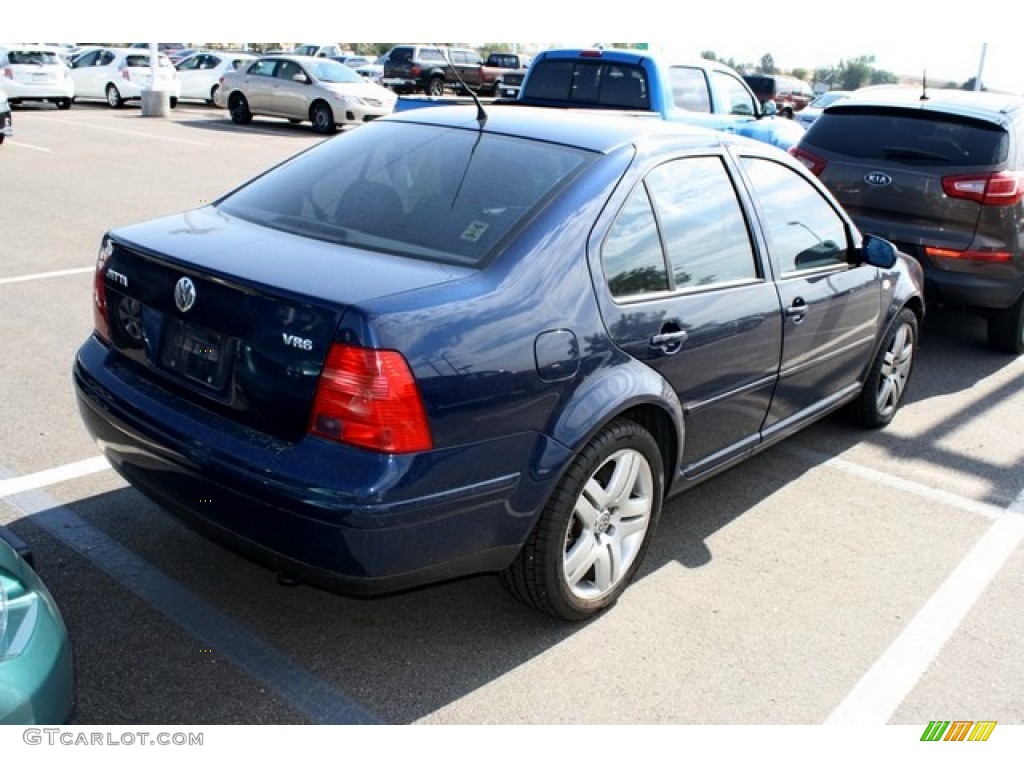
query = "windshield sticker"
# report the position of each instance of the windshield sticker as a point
(475, 231)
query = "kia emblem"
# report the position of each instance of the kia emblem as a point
(184, 294)
(878, 179)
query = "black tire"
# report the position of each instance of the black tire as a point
(239, 109)
(63, 103)
(212, 101)
(322, 117)
(114, 99)
(594, 531)
(887, 380)
(174, 101)
(435, 86)
(1006, 328)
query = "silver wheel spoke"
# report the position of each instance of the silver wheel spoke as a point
(580, 558)
(610, 520)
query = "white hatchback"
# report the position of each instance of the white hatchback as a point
(200, 73)
(35, 73)
(117, 75)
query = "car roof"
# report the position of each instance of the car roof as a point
(628, 56)
(994, 107)
(598, 131)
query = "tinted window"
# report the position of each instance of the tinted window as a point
(699, 232)
(32, 57)
(634, 263)
(589, 82)
(433, 193)
(804, 232)
(905, 136)
(703, 226)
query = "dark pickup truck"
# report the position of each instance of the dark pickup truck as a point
(430, 69)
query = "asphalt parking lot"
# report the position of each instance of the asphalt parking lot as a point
(842, 577)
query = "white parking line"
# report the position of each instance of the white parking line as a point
(879, 693)
(14, 485)
(45, 275)
(143, 134)
(28, 146)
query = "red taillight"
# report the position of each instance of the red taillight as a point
(997, 257)
(100, 316)
(813, 163)
(126, 74)
(9, 73)
(1000, 188)
(368, 398)
(591, 53)
(415, 70)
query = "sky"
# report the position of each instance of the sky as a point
(906, 37)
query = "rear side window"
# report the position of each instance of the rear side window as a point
(594, 83)
(683, 228)
(909, 137)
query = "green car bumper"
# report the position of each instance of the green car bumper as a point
(36, 671)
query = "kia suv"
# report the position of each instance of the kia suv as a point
(940, 174)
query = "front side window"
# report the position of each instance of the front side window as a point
(804, 231)
(738, 98)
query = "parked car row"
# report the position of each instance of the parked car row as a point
(114, 75)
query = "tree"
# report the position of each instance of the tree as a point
(767, 65)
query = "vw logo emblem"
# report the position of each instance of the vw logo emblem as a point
(878, 179)
(184, 294)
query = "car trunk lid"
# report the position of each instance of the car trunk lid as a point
(242, 348)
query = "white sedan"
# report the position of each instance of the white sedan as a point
(200, 72)
(303, 88)
(117, 75)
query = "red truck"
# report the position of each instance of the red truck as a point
(498, 68)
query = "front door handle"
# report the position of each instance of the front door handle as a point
(797, 310)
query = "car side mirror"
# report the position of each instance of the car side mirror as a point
(300, 78)
(878, 252)
(768, 109)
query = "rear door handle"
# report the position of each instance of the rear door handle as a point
(669, 339)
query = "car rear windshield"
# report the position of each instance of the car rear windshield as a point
(589, 82)
(909, 136)
(429, 192)
(32, 57)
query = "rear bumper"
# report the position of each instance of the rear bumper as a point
(985, 286)
(347, 520)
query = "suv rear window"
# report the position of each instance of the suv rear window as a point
(594, 83)
(909, 136)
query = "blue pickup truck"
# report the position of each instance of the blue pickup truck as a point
(701, 92)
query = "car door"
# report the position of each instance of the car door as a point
(258, 86)
(686, 292)
(87, 74)
(190, 77)
(831, 305)
(291, 96)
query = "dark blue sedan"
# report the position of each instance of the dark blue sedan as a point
(447, 343)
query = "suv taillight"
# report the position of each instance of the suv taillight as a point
(415, 70)
(1000, 188)
(126, 74)
(814, 163)
(100, 315)
(369, 398)
(9, 73)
